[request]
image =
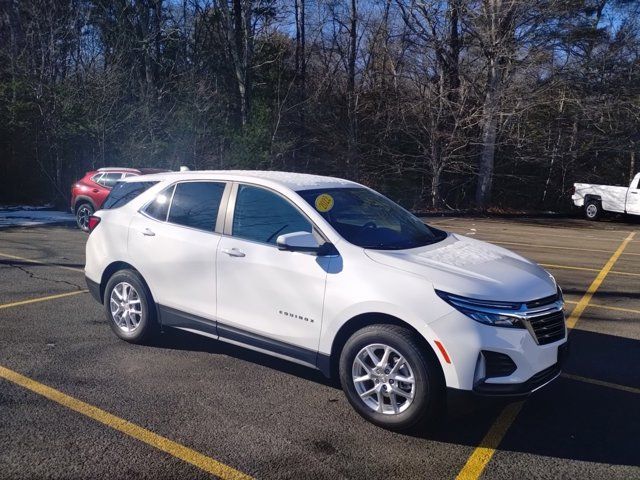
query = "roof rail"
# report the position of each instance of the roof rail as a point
(117, 169)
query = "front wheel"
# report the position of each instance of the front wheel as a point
(389, 379)
(129, 307)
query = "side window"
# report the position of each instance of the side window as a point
(108, 179)
(159, 207)
(262, 216)
(123, 192)
(96, 178)
(196, 204)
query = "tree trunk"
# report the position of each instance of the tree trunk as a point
(301, 78)
(453, 61)
(489, 134)
(301, 64)
(435, 188)
(351, 87)
(243, 55)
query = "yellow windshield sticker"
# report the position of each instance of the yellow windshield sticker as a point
(324, 202)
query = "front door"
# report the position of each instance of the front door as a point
(268, 298)
(633, 196)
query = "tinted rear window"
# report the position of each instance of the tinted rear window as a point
(124, 192)
(159, 207)
(196, 204)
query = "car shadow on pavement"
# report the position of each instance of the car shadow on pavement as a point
(569, 418)
(179, 340)
(566, 419)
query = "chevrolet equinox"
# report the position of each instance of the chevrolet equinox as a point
(329, 274)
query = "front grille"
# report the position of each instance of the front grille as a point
(541, 302)
(497, 364)
(548, 328)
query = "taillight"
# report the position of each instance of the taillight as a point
(572, 190)
(93, 222)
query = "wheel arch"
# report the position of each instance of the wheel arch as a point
(114, 267)
(591, 197)
(80, 199)
(373, 318)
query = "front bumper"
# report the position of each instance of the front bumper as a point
(534, 383)
(465, 339)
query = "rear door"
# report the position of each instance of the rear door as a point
(633, 196)
(173, 243)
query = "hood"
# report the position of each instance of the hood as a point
(471, 268)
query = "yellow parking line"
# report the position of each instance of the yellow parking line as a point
(582, 304)
(481, 456)
(42, 299)
(602, 383)
(38, 262)
(482, 230)
(607, 307)
(175, 449)
(557, 247)
(567, 267)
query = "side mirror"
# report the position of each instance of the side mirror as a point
(298, 242)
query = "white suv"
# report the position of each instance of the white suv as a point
(330, 274)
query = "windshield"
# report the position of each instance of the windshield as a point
(369, 220)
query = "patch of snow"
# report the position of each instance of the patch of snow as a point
(25, 216)
(47, 206)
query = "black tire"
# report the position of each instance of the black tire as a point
(592, 210)
(146, 327)
(83, 212)
(428, 395)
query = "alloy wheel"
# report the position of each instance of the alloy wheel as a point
(126, 307)
(83, 217)
(383, 379)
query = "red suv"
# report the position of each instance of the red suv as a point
(89, 193)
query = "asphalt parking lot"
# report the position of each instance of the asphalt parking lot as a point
(76, 402)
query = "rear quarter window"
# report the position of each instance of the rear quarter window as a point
(123, 192)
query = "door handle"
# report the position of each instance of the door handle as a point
(233, 252)
(95, 190)
(148, 232)
(634, 193)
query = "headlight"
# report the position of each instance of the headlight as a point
(499, 314)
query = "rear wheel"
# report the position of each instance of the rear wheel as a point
(592, 210)
(129, 307)
(389, 379)
(83, 212)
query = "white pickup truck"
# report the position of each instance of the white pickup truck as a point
(597, 199)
